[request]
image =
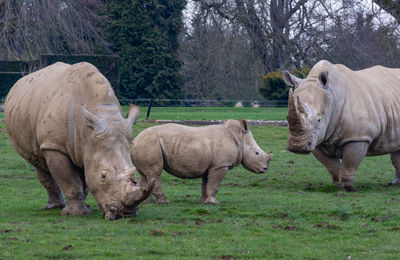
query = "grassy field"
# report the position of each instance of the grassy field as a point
(212, 113)
(291, 212)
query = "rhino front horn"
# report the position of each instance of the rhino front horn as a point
(295, 124)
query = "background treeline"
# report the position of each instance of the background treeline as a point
(213, 49)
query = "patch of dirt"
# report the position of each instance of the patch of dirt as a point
(327, 225)
(288, 227)
(156, 232)
(68, 247)
(282, 215)
(226, 257)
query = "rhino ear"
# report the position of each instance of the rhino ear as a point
(323, 79)
(243, 124)
(98, 124)
(291, 80)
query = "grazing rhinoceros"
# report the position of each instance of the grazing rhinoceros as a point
(197, 152)
(336, 113)
(67, 122)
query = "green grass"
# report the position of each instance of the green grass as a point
(291, 212)
(212, 113)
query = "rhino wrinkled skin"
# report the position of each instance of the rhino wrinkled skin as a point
(336, 113)
(67, 122)
(196, 152)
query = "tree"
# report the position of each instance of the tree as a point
(390, 6)
(144, 33)
(34, 27)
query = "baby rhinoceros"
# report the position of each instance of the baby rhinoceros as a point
(196, 152)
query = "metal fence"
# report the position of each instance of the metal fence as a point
(203, 103)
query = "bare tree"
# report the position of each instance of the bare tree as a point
(29, 28)
(390, 6)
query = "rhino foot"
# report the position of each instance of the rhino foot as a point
(394, 183)
(75, 209)
(162, 201)
(211, 201)
(55, 205)
(349, 188)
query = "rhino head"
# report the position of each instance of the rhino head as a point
(309, 111)
(254, 158)
(109, 172)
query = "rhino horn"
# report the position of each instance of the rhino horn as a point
(133, 114)
(295, 124)
(302, 107)
(139, 194)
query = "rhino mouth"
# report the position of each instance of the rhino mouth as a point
(118, 210)
(300, 144)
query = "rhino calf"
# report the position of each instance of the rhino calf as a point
(341, 116)
(67, 122)
(196, 152)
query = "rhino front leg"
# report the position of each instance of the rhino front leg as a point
(157, 189)
(56, 200)
(395, 157)
(67, 177)
(352, 156)
(331, 164)
(214, 179)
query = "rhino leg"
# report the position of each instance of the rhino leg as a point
(204, 180)
(214, 179)
(68, 178)
(157, 189)
(352, 156)
(56, 200)
(331, 164)
(395, 157)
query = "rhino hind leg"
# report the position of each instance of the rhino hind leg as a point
(395, 157)
(214, 179)
(56, 200)
(68, 178)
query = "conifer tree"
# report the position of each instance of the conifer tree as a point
(144, 33)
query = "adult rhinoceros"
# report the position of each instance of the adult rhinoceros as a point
(67, 122)
(336, 113)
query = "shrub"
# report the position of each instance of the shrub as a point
(274, 87)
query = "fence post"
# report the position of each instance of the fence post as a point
(149, 108)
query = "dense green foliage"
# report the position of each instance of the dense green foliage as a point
(144, 33)
(291, 212)
(7, 80)
(273, 86)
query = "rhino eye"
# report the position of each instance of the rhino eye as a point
(103, 175)
(257, 153)
(319, 120)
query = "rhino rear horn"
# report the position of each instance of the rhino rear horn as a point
(133, 114)
(302, 107)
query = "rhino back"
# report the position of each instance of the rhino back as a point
(43, 109)
(372, 109)
(188, 152)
